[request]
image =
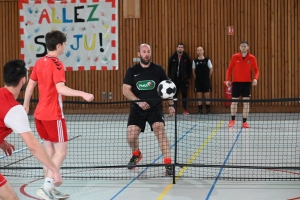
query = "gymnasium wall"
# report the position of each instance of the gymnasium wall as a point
(272, 28)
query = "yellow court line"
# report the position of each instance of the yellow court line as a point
(182, 170)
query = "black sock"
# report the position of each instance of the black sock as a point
(232, 117)
(207, 107)
(244, 120)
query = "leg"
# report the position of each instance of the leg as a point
(55, 138)
(184, 88)
(233, 107)
(163, 141)
(60, 153)
(133, 133)
(164, 145)
(7, 193)
(207, 103)
(246, 107)
(199, 96)
(50, 150)
(246, 93)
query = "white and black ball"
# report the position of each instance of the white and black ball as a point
(166, 89)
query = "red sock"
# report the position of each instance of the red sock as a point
(167, 160)
(136, 153)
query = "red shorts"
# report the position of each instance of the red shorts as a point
(53, 131)
(2, 180)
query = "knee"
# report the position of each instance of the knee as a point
(133, 132)
(158, 126)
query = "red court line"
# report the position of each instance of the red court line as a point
(294, 198)
(22, 189)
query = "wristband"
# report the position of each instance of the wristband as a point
(171, 105)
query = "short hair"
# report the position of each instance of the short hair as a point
(13, 72)
(139, 47)
(53, 38)
(180, 43)
(244, 42)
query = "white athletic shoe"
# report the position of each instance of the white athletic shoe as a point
(60, 195)
(46, 195)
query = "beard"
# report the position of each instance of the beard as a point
(144, 61)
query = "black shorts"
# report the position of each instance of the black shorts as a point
(241, 89)
(139, 117)
(202, 86)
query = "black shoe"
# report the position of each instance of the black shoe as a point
(200, 112)
(169, 170)
(208, 111)
(134, 161)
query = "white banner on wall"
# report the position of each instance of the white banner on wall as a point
(91, 27)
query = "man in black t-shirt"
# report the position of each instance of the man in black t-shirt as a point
(140, 82)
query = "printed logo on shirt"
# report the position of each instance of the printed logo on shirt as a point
(145, 85)
(248, 62)
(135, 75)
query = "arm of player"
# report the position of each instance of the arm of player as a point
(210, 68)
(194, 69)
(28, 93)
(229, 72)
(40, 153)
(127, 92)
(256, 72)
(66, 91)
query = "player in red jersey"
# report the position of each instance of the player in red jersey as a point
(241, 65)
(13, 118)
(49, 74)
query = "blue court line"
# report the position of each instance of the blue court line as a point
(151, 163)
(224, 163)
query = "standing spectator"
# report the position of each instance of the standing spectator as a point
(202, 70)
(179, 71)
(241, 64)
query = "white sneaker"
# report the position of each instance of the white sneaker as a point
(46, 195)
(60, 195)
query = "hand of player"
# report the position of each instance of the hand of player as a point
(88, 97)
(57, 178)
(171, 111)
(7, 148)
(228, 83)
(144, 105)
(254, 82)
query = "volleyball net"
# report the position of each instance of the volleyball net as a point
(202, 145)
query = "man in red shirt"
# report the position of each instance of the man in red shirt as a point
(241, 65)
(49, 73)
(13, 118)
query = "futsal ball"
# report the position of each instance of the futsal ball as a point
(166, 89)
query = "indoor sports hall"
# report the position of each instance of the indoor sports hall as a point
(210, 161)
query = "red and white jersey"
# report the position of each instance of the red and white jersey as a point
(13, 117)
(48, 71)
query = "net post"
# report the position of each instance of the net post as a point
(175, 136)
